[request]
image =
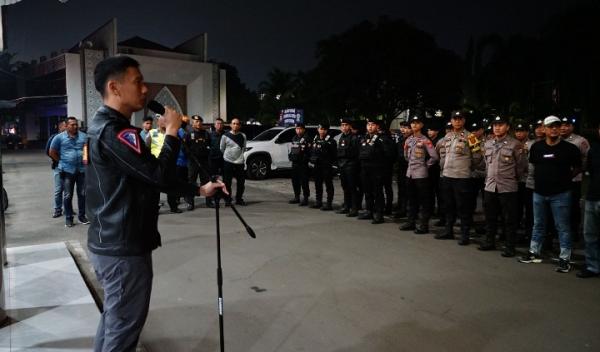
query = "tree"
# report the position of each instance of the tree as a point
(277, 92)
(7, 76)
(241, 101)
(381, 69)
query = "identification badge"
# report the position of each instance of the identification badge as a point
(548, 156)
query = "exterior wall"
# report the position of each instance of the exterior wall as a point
(223, 94)
(197, 77)
(74, 86)
(198, 87)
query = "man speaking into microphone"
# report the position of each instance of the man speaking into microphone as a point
(123, 189)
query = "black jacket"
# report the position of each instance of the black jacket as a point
(593, 167)
(323, 152)
(347, 151)
(299, 149)
(123, 184)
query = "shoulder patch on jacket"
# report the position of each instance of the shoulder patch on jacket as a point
(130, 138)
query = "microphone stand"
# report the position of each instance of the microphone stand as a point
(251, 233)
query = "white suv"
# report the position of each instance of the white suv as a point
(269, 150)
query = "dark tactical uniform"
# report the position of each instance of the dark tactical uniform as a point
(215, 156)
(298, 155)
(349, 168)
(401, 180)
(388, 176)
(323, 154)
(196, 144)
(506, 163)
(420, 154)
(372, 163)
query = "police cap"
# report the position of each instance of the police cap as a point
(520, 126)
(197, 118)
(568, 120)
(477, 125)
(416, 118)
(346, 120)
(499, 120)
(324, 125)
(458, 115)
(376, 121)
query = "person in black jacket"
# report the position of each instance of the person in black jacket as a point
(298, 155)
(372, 157)
(196, 144)
(322, 155)
(347, 156)
(215, 156)
(123, 184)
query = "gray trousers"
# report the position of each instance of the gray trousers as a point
(127, 284)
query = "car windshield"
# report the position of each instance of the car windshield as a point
(267, 135)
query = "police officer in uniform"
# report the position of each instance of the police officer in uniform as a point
(463, 156)
(347, 156)
(389, 145)
(323, 154)
(478, 175)
(420, 155)
(372, 166)
(123, 187)
(566, 133)
(197, 145)
(440, 148)
(522, 136)
(505, 163)
(433, 133)
(298, 155)
(400, 138)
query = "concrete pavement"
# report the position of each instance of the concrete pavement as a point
(317, 281)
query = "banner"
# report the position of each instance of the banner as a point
(289, 117)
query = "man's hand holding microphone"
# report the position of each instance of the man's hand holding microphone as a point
(172, 120)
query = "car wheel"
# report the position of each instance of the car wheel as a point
(258, 168)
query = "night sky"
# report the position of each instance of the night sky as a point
(258, 35)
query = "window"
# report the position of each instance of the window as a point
(286, 136)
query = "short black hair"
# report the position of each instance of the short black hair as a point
(148, 118)
(110, 68)
(71, 118)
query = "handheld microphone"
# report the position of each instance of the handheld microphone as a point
(156, 107)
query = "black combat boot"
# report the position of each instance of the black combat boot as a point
(327, 206)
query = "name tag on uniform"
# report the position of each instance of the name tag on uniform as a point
(548, 156)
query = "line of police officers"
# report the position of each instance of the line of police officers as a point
(449, 171)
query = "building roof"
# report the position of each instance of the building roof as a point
(141, 43)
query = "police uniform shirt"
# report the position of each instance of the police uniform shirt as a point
(440, 148)
(298, 149)
(323, 150)
(197, 143)
(463, 155)
(505, 163)
(371, 152)
(582, 144)
(420, 155)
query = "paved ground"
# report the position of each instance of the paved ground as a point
(315, 281)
